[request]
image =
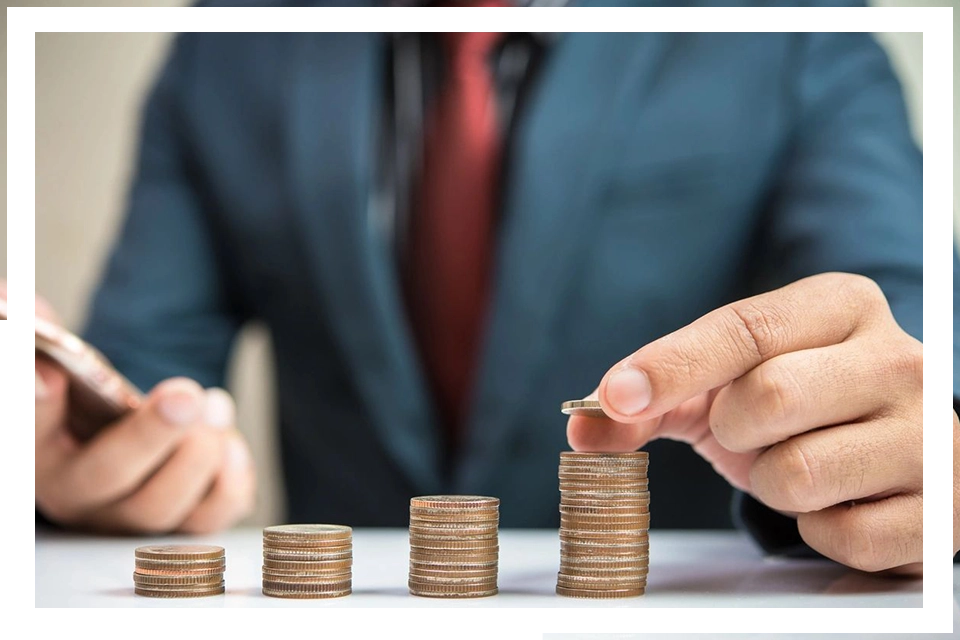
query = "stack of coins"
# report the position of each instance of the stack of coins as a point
(604, 524)
(454, 547)
(179, 571)
(307, 561)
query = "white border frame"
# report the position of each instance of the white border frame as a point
(934, 23)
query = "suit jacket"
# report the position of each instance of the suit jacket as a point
(652, 178)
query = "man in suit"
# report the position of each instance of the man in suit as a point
(448, 235)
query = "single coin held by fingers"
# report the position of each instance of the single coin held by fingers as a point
(589, 408)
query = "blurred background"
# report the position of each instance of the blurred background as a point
(89, 88)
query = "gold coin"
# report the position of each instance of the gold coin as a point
(442, 587)
(609, 550)
(297, 581)
(465, 519)
(454, 502)
(306, 543)
(433, 512)
(454, 569)
(437, 536)
(603, 506)
(603, 581)
(426, 593)
(635, 534)
(317, 573)
(609, 478)
(444, 574)
(145, 571)
(297, 594)
(455, 553)
(482, 526)
(306, 587)
(640, 520)
(180, 552)
(308, 531)
(608, 497)
(604, 469)
(622, 484)
(599, 593)
(621, 457)
(181, 565)
(461, 561)
(592, 530)
(180, 593)
(182, 580)
(608, 574)
(296, 545)
(571, 510)
(599, 487)
(307, 555)
(421, 582)
(321, 565)
(457, 545)
(600, 474)
(590, 578)
(612, 563)
(589, 408)
(604, 586)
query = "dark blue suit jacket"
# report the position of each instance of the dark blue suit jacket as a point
(654, 177)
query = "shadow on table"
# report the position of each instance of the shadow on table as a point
(776, 579)
(538, 583)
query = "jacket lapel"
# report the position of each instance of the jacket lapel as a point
(333, 111)
(546, 227)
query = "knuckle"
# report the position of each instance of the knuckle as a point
(905, 363)
(795, 472)
(861, 548)
(206, 445)
(860, 290)
(762, 327)
(776, 393)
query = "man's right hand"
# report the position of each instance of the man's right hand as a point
(175, 464)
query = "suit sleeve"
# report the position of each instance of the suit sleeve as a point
(162, 307)
(848, 198)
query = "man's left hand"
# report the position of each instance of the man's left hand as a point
(809, 398)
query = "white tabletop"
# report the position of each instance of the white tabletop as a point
(687, 569)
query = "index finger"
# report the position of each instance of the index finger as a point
(726, 343)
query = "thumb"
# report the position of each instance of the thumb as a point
(687, 423)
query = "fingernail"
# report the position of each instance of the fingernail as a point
(179, 407)
(41, 388)
(237, 455)
(628, 391)
(219, 411)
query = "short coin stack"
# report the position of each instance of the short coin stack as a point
(307, 561)
(454, 546)
(604, 524)
(179, 571)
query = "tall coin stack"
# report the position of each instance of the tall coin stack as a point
(454, 547)
(604, 524)
(307, 561)
(179, 571)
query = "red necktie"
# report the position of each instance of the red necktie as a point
(452, 233)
